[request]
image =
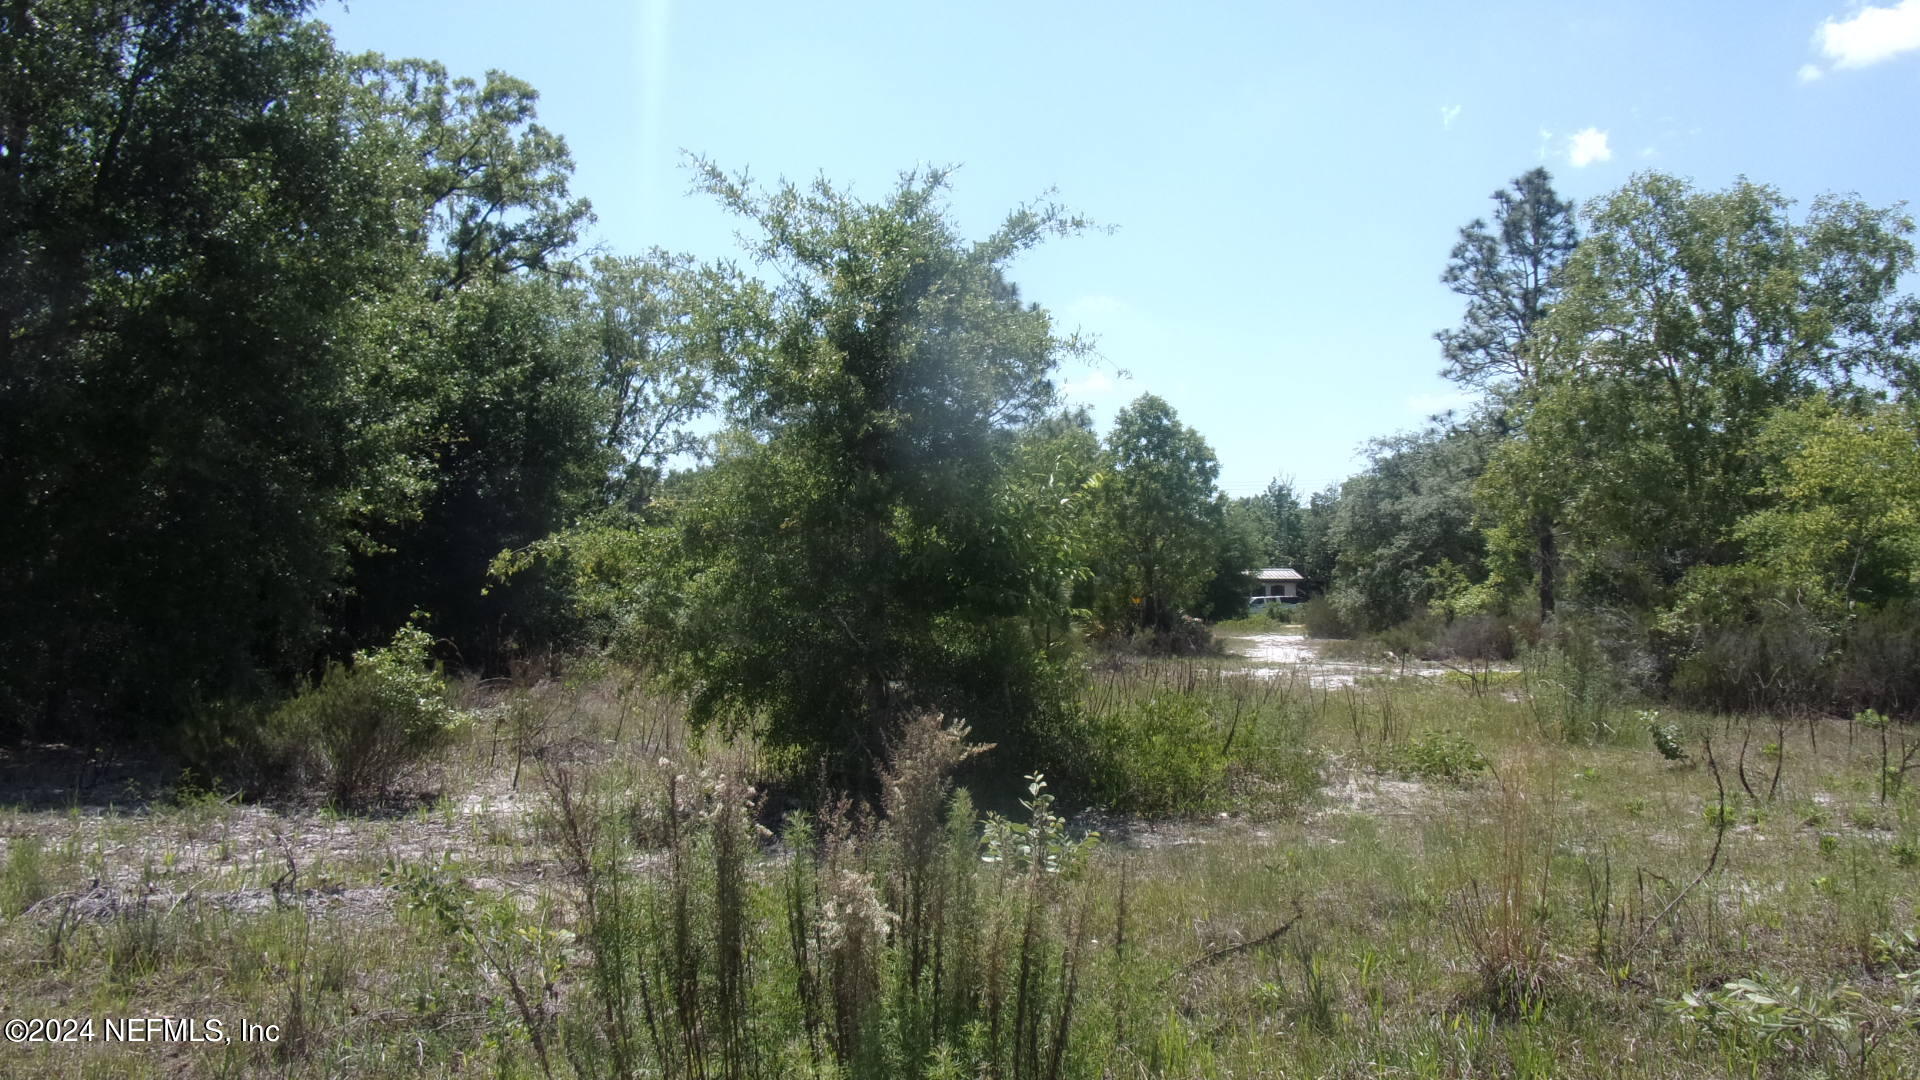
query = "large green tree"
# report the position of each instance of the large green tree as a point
(1277, 521)
(504, 369)
(1511, 274)
(1687, 318)
(189, 227)
(283, 352)
(860, 545)
(1408, 515)
(1164, 517)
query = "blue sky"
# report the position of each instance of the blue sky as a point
(1285, 179)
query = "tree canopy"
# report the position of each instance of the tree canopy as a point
(856, 549)
(1688, 317)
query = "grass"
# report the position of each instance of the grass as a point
(592, 894)
(1258, 624)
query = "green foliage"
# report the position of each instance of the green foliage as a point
(1747, 636)
(493, 939)
(508, 382)
(1687, 318)
(1324, 620)
(364, 726)
(1277, 521)
(1322, 545)
(1409, 513)
(861, 546)
(1040, 844)
(1440, 755)
(1165, 525)
(1578, 676)
(1510, 275)
(485, 184)
(1056, 462)
(1879, 664)
(912, 947)
(1845, 490)
(653, 363)
(1236, 550)
(1665, 735)
(1160, 755)
(1284, 614)
(23, 881)
(1760, 1023)
(191, 230)
(276, 368)
(514, 420)
(1718, 816)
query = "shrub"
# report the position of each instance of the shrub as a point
(1324, 620)
(1879, 665)
(1581, 671)
(1415, 637)
(1477, 637)
(1758, 1023)
(1282, 613)
(1665, 734)
(1187, 636)
(1158, 755)
(363, 727)
(1440, 755)
(1749, 638)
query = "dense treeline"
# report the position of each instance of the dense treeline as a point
(302, 354)
(302, 357)
(1697, 428)
(295, 342)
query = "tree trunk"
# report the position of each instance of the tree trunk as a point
(1547, 555)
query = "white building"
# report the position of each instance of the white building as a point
(1287, 584)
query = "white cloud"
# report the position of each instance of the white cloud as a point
(1096, 384)
(1448, 114)
(1586, 147)
(1869, 36)
(1546, 141)
(1810, 72)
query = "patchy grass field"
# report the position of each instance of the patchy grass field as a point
(1394, 877)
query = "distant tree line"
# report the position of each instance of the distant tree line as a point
(1699, 418)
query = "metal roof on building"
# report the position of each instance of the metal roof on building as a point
(1277, 573)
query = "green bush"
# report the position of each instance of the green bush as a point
(1666, 735)
(1324, 620)
(1879, 666)
(1285, 614)
(1186, 637)
(1477, 637)
(1747, 638)
(1440, 755)
(363, 727)
(1581, 673)
(1156, 756)
(1416, 637)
